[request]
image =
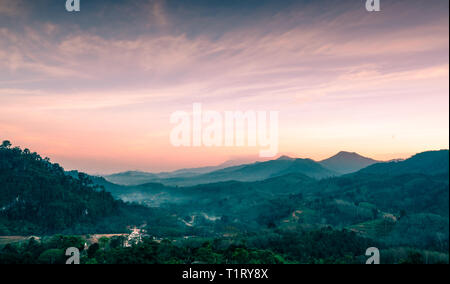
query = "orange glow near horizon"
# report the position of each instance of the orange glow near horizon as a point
(99, 100)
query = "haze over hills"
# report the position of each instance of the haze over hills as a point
(339, 164)
(347, 162)
(131, 177)
(140, 177)
(239, 170)
(247, 172)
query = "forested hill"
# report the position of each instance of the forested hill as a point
(37, 197)
(429, 163)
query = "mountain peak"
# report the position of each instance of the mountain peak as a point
(346, 153)
(285, 158)
(346, 162)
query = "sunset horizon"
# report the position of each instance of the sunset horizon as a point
(97, 95)
(229, 160)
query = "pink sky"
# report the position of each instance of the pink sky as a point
(99, 100)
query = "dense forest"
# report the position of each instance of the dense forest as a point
(325, 246)
(38, 197)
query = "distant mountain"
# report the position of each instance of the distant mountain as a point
(341, 163)
(285, 158)
(131, 177)
(184, 173)
(139, 177)
(430, 163)
(256, 172)
(347, 162)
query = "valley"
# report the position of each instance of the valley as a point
(391, 205)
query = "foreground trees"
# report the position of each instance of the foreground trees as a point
(315, 247)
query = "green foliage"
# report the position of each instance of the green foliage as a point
(325, 246)
(52, 256)
(285, 219)
(38, 197)
(92, 250)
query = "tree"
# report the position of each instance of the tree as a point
(92, 250)
(241, 256)
(52, 256)
(402, 213)
(413, 258)
(6, 144)
(117, 242)
(103, 242)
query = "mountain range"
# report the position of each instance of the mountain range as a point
(399, 203)
(341, 163)
(139, 177)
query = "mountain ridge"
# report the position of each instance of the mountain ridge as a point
(189, 177)
(257, 171)
(347, 162)
(429, 162)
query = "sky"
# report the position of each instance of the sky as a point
(94, 90)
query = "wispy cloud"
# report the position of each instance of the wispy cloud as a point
(11, 8)
(60, 71)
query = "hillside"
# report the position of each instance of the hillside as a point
(431, 163)
(347, 162)
(410, 208)
(38, 197)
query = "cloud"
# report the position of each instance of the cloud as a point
(68, 80)
(299, 63)
(248, 51)
(158, 14)
(10, 8)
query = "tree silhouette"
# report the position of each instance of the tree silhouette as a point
(6, 144)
